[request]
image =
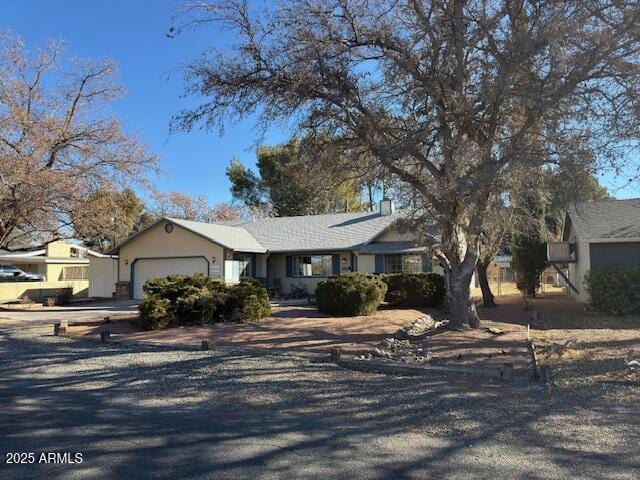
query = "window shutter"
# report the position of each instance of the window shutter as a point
(289, 261)
(426, 264)
(336, 264)
(379, 263)
(253, 265)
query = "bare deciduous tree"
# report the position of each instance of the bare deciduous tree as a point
(448, 96)
(59, 146)
(191, 207)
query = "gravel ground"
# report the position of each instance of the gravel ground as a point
(137, 412)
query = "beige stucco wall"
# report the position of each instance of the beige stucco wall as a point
(155, 242)
(578, 270)
(366, 263)
(38, 291)
(103, 274)
(581, 267)
(58, 249)
(261, 265)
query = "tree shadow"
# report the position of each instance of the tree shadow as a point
(137, 412)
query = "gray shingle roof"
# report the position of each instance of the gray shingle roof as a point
(606, 219)
(330, 232)
(319, 232)
(227, 236)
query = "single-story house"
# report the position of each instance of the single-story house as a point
(598, 235)
(61, 264)
(290, 252)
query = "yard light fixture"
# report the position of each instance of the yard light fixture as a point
(126, 262)
(213, 259)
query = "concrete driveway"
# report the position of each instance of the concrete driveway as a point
(135, 412)
(74, 312)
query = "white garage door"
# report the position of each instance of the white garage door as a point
(161, 267)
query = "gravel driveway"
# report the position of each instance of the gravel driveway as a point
(150, 413)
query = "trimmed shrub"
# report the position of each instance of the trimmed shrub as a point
(415, 289)
(248, 302)
(350, 294)
(155, 313)
(197, 300)
(614, 291)
(175, 286)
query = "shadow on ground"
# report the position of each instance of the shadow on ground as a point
(150, 413)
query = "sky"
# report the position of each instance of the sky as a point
(133, 34)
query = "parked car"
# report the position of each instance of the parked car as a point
(11, 273)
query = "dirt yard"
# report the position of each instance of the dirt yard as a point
(587, 352)
(293, 328)
(303, 330)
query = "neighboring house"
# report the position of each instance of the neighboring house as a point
(500, 270)
(62, 265)
(598, 235)
(290, 252)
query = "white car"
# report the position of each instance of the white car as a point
(11, 273)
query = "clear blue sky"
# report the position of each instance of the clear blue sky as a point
(133, 33)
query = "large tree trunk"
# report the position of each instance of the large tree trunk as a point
(462, 311)
(460, 254)
(488, 299)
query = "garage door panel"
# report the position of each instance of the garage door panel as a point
(614, 255)
(146, 269)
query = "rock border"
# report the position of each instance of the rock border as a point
(504, 373)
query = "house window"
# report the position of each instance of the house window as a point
(75, 273)
(402, 263)
(312, 266)
(244, 265)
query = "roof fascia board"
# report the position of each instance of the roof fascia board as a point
(611, 240)
(315, 250)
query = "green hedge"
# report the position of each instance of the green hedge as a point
(614, 291)
(196, 300)
(350, 294)
(415, 289)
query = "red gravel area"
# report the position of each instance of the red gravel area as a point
(302, 329)
(299, 329)
(479, 347)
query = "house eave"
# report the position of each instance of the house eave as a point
(313, 250)
(610, 240)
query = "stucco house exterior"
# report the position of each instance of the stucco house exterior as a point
(599, 235)
(62, 265)
(290, 252)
